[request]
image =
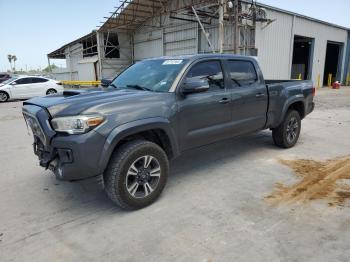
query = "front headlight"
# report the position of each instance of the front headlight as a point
(76, 124)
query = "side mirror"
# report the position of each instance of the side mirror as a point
(13, 83)
(194, 85)
(105, 82)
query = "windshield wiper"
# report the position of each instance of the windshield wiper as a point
(139, 87)
(113, 85)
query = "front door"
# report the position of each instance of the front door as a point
(21, 87)
(204, 117)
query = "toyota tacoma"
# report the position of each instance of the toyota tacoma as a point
(121, 138)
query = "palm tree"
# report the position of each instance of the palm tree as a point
(14, 58)
(9, 57)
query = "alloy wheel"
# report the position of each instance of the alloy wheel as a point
(292, 129)
(143, 176)
(3, 97)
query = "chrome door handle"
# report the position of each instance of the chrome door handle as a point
(260, 95)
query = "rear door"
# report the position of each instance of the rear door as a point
(39, 86)
(249, 96)
(204, 117)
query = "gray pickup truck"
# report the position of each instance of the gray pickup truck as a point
(121, 138)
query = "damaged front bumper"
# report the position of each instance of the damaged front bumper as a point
(70, 157)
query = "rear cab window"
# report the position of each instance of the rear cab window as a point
(242, 73)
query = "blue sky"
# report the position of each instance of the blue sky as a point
(31, 29)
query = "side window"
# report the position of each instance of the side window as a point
(24, 81)
(242, 72)
(210, 71)
(38, 80)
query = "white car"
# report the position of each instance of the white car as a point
(24, 87)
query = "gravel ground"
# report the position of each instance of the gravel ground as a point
(213, 208)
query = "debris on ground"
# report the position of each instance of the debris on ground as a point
(328, 180)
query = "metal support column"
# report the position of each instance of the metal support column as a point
(99, 50)
(203, 30)
(49, 64)
(221, 26)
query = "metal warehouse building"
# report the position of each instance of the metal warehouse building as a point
(287, 45)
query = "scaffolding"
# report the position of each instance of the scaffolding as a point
(132, 14)
(221, 25)
(88, 42)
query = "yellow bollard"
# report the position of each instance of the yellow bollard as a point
(318, 80)
(348, 79)
(329, 80)
(299, 77)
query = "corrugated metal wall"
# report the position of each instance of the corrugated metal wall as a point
(148, 44)
(322, 34)
(181, 40)
(275, 44)
(173, 38)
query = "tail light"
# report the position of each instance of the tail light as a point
(313, 91)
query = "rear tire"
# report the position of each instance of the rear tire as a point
(4, 97)
(286, 135)
(51, 91)
(136, 174)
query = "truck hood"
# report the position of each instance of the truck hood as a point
(73, 102)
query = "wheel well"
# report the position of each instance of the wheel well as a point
(157, 136)
(51, 89)
(298, 106)
(8, 95)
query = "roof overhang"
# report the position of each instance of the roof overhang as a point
(60, 53)
(131, 14)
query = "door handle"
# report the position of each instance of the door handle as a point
(225, 100)
(259, 95)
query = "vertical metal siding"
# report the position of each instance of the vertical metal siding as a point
(148, 44)
(273, 43)
(180, 40)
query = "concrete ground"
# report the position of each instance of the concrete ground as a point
(212, 209)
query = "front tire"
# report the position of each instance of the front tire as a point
(136, 174)
(4, 97)
(286, 135)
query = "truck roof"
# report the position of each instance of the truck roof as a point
(200, 56)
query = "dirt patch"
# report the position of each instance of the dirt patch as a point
(318, 180)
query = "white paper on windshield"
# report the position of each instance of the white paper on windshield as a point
(172, 62)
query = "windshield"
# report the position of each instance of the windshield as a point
(152, 75)
(9, 80)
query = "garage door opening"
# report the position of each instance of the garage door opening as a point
(332, 66)
(302, 57)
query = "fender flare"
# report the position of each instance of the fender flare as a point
(6, 92)
(289, 102)
(132, 128)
